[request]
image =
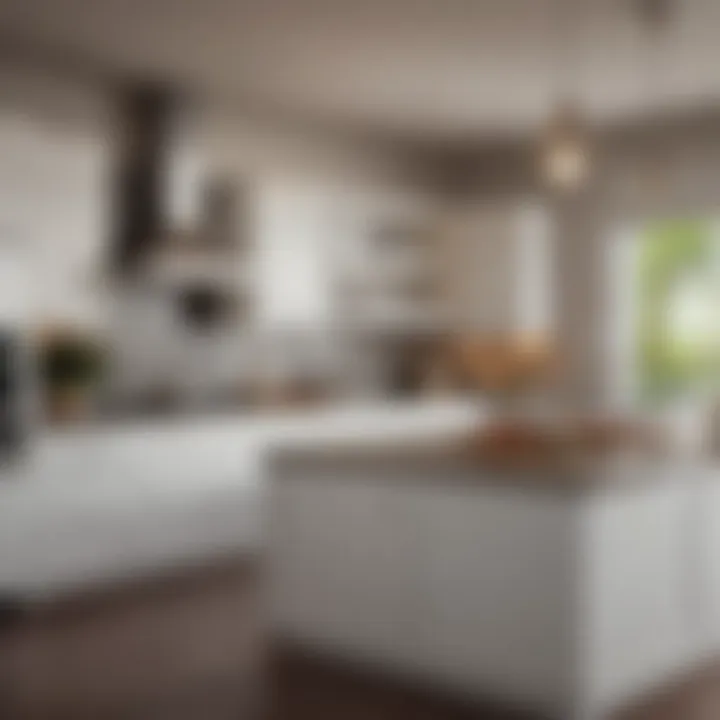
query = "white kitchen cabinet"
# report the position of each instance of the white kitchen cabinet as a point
(500, 579)
(705, 554)
(570, 602)
(639, 579)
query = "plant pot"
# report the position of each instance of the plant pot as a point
(69, 404)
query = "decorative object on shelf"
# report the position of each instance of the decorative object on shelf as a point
(221, 224)
(416, 365)
(504, 369)
(71, 367)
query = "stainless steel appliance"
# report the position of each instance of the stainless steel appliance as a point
(16, 374)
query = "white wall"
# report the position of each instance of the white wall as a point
(265, 149)
(498, 266)
(54, 162)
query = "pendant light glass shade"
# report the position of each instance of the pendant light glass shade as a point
(565, 152)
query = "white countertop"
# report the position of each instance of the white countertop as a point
(112, 500)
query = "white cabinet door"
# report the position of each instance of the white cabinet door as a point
(500, 579)
(343, 555)
(640, 590)
(451, 583)
(704, 531)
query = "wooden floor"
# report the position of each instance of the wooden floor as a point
(192, 649)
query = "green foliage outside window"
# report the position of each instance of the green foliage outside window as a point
(679, 350)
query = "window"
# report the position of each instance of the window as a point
(678, 302)
(295, 280)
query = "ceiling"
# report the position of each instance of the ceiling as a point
(436, 70)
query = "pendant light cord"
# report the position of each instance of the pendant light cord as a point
(565, 26)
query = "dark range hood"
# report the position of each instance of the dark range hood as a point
(163, 191)
(174, 227)
(144, 159)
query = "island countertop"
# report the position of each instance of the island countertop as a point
(456, 461)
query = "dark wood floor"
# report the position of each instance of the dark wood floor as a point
(191, 648)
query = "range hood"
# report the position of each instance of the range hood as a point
(169, 213)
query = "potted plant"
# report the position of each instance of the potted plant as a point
(71, 366)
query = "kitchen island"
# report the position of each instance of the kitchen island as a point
(565, 590)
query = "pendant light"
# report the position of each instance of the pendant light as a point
(565, 144)
(565, 150)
